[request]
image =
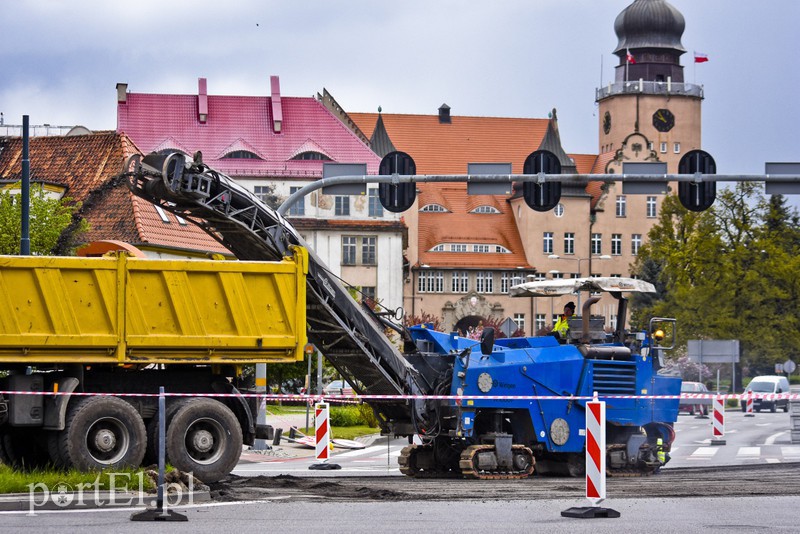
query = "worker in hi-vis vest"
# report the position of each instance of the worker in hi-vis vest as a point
(562, 325)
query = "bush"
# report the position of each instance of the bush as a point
(360, 415)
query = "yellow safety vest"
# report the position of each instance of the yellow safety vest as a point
(562, 326)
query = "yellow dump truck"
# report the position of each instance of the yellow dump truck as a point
(123, 326)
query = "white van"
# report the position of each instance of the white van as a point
(767, 385)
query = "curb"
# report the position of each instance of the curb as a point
(21, 502)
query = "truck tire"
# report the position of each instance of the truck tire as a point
(204, 438)
(22, 448)
(55, 451)
(102, 432)
(151, 452)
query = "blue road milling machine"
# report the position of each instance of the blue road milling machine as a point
(472, 438)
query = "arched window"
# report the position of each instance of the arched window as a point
(433, 208)
(312, 156)
(486, 209)
(240, 154)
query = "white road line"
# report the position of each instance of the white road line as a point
(749, 451)
(773, 461)
(790, 453)
(771, 440)
(361, 452)
(703, 453)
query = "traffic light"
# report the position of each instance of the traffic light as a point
(544, 196)
(697, 196)
(397, 197)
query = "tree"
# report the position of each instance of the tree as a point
(49, 217)
(731, 272)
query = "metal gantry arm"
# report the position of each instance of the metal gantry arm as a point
(782, 183)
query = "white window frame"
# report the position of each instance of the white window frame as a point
(547, 242)
(597, 244)
(652, 207)
(616, 244)
(342, 206)
(636, 244)
(484, 282)
(569, 243)
(622, 205)
(459, 282)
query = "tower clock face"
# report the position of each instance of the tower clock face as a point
(663, 120)
(607, 122)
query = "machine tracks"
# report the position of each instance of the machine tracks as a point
(417, 461)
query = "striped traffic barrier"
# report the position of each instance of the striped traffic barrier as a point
(718, 421)
(749, 405)
(595, 463)
(322, 434)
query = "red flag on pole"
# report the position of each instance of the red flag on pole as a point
(700, 58)
(629, 57)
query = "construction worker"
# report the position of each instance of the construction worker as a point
(561, 328)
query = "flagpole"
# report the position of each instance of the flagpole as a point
(694, 68)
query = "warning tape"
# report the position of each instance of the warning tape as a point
(357, 398)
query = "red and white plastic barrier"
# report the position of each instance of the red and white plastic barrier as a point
(596, 451)
(749, 405)
(718, 419)
(322, 431)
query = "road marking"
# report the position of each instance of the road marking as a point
(749, 451)
(790, 453)
(361, 452)
(703, 453)
(773, 461)
(771, 440)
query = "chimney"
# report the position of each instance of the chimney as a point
(444, 114)
(277, 109)
(122, 93)
(202, 100)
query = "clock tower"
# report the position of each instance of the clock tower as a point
(649, 112)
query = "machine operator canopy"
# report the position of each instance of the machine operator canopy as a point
(567, 286)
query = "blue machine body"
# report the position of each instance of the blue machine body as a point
(540, 366)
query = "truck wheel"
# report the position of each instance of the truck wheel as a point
(151, 453)
(55, 451)
(102, 432)
(774, 407)
(204, 438)
(22, 448)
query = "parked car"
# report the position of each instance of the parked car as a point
(338, 387)
(694, 405)
(767, 384)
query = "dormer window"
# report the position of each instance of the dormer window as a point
(312, 156)
(240, 154)
(486, 209)
(433, 208)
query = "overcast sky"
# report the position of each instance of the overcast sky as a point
(514, 58)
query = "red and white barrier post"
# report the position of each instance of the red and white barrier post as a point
(749, 405)
(322, 431)
(718, 421)
(595, 463)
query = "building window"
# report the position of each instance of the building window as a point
(486, 209)
(548, 243)
(516, 279)
(438, 248)
(519, 320)
(559, 210)
(368, 246)
(677, 148)
(480, 248)
(505, 278)
(375, 206)
(484, 282)
(597, 243)
(161, 213)
(663, 147)
(621, 206)
(311, 156)
(636, 243)
(540, 322)
(298, 209)
(359, 250)
(558, 276)
(458, 247)
(500, 249)
(349, 250)
(433, 208)
(240, 154)
(431, 282)
(651, 207)
(569, 243)
(368, 292)
(616, 244)
(460, 282)
(342, 205)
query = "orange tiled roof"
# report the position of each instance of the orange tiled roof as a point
(87, 166)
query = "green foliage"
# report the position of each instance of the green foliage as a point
(15, 481)
(49, 217)
(731, 272)
(352, 416)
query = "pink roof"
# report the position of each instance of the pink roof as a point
(157, 121)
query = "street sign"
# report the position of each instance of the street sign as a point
(332, 170)
(545, 196)
(508, 327)
(789, 367)
(713, 350)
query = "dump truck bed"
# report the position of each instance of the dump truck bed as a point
(138, 311)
